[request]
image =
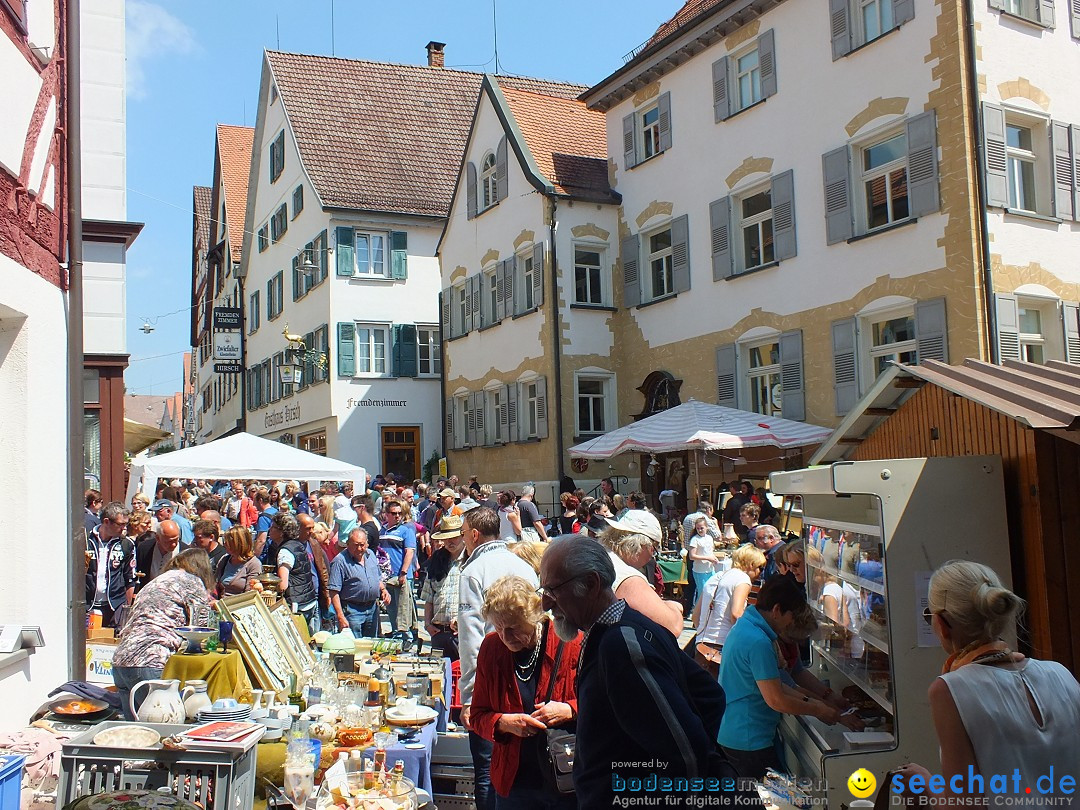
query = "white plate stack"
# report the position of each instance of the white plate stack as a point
(240, 714)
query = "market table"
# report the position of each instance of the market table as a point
(224, 673)
(673, 571)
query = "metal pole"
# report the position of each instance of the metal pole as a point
(76, 480)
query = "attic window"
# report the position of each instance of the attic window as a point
(273, 93)
(488, 181)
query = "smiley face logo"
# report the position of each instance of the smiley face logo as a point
(861, 783)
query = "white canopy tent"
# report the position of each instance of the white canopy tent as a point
(241, 456)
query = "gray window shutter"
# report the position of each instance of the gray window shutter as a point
(931, 334)
(470, 420)
(840, 27)
(510, 398)
(726, 376)
(1075, 132)
(541, 408)
(503, 417)
(502, 180)
(404, 350)
(346, 349)
(509, 285)
(1062, 167)
(479, 433)
(470, 189)
(664, 121)
(470, 319)
(845, 365)
(478, 321)
(766, 46)
(399, 254)
(680, 253)
(923, 194)
(447, 297)
(517, 269)
(720, 88)
(487, 317)
(903, 11)
(835, 166)
(792, 387)
(783, 215)
(1070, 319)
(720, 231)
(538, 274)
(1046, 13)
(450, 423)
(1074, 17)
(1008, 326)
(500, 288)
(629, 141)
(997, 164)
(457, 325)
(631, 259)
(345, 259)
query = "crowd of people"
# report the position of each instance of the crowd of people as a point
(559, 626)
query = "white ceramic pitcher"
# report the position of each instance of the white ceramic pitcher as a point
(195, 699)
(162, 704)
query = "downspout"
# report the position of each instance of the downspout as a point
(442, 385)
(76, 563)
(556, 323)
(242, 421)
(980, 180)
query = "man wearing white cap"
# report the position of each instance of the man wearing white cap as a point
(631, 543)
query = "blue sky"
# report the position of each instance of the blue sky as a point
(195, 63)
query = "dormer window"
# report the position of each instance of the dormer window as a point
(489, 192)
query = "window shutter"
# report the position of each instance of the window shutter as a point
(767, 62)
(840, 27)
(680, 253)
(502, 180)
(630, 260)
(1008, 326)
(447, 296)
(720, 231)
(1074, 18)
(1046, 13)
(500, 284)
(450, 424)
(468, 325)
(720, 89)
(510, 398)
(487, 317)
(479, 437)
(297, 279)
(997, 164)
(478, 321)
(503, 418)
(538, 274)
(399, 254)
(491, 431)
(404, 351)
(346, 349)
(903, 11)
(783, 215)
(345, 258)
(629, 141)
(726, 381)
(923, 194)
(470, 189)
(323, 257)
(541, 408)
(516, 269)
(270, 300)
(792, 387)
(845, 365)
(664, 120)
(1075, 132)
(1070, 319)
(931, 336)
(1062, 167)
(509, 285)
(835, 166)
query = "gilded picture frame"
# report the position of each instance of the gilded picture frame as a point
(265, 650)
(283, 619)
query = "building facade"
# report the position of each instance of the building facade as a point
(33, 344)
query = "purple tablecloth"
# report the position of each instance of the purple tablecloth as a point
(417, 760)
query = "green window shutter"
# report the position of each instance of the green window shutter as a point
(345, 259)
(324, 256)
(297, 279)
(346, 349)
(404, 350)
(399, 255)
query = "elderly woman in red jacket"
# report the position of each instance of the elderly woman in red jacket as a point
(520, 692)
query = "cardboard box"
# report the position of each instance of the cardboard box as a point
(99, 657)
(100, 633)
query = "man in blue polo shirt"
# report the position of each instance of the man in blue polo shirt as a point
(398, 539)
(750, 678)
(355, 587)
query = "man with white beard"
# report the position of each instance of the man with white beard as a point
(645, 708)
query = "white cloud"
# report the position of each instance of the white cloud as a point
(152, 32)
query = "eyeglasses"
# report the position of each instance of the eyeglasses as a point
(394, 514)
(549, 590)
(928, 616)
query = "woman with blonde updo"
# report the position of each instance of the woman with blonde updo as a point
(994, 709)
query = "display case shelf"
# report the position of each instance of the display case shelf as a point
(857, 674)
(871, 639)
(857, 581)
(871, 529)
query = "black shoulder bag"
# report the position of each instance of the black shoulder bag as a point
(560, 743)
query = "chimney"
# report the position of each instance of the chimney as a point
(435, 55)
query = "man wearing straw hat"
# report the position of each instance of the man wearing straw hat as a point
(440, 593)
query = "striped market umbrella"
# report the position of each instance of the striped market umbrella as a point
(697, 425)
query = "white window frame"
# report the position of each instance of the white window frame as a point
(752, 75)
(489, 293)
(756, 221)
(665, 255)
(609, 411)
(489, 188)
(368, 270)
(599, 248)
(372, 347)
(869, 353)
(770, 372)
(1017, 156)
(1024, 9)
(884, 17)
(886, 170)
(493, 428)
(1049, 339)
(649, 131)
(433, 347)
(528, 416)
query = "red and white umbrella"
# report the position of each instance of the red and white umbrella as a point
(697, 425)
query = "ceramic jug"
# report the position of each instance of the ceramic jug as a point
(162, 703)
(195, 699)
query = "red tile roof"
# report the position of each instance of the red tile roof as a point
(384, 137)
(684, 15)
(234, 152)
(567, 140)
(200, 196)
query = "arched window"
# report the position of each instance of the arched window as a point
(487, 181)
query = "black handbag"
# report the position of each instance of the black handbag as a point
(560, 744)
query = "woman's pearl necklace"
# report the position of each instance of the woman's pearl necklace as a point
(525, 673)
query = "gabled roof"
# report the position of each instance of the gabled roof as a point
(200, 198)
(146, 410)
(234, 153)
(682, 17)
(383, 137)
(568, 142)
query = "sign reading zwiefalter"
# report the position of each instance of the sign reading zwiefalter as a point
(228, 340)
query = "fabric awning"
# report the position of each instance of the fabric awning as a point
(137, 436)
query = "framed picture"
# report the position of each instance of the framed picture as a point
(283, 619)
(266, 653)
(706, 496)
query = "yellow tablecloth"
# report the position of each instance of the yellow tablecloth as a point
(224, 673)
